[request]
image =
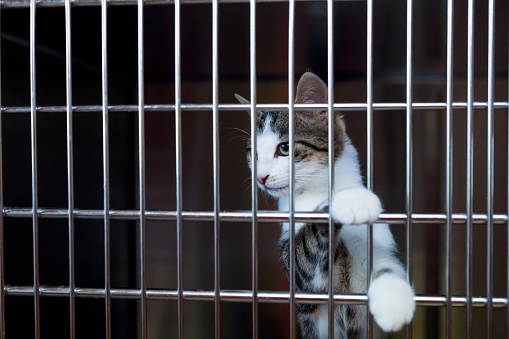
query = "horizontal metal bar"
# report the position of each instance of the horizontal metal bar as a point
(238, 296)
(60, 3)
(261, 107)
(246, 216)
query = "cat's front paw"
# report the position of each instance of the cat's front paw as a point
(356, 206)
(391, 301)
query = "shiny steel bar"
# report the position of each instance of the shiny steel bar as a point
(2, 259)
(59, 3)
(263, 216)
(215, 148)
(490, 152)
(242, 296)
(291, 159)
(470, 167)
(35, 202)
(254, 152)
(409, 146)
(369, 100)
(331, 118)
(178, 174)
(449, 169)
(260, 107)
(106, 168)
(70, 166)
(141, 169)
(369, 145)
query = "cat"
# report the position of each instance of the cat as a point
(390, 296)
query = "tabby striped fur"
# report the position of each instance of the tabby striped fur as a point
(353, 206)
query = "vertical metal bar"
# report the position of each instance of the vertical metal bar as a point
(70, 164)
(35, 202)
(2, 279)
(470, 164)
(369, 144)
(449, 168)
(369, 95)
(490, 169)
(178, 171)
(106, 166)
(254, 152)
(215, 128)
(141, 159)
(331, 116)
(291, 141)
(409, 146)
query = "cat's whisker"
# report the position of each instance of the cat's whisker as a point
(244, 136)
(248, 181)
(240, 130)
(237, 129)
(235, 138)
(247, 190)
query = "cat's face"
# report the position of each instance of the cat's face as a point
(273, 156)
(311, 143)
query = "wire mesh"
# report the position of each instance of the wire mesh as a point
(460, 112)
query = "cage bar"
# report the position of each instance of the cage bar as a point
(507, 207)
(331, 123)
(2, 258)
(470, 166)
(178, 173)
(369, 147)
(490, 152)
(291, 161)
(35, 202)
(70, 167)
(449, 168)
(106, 167)
(263, 216)
(409, 148)
(280, 297)
(141, 172)
(346, 107)
(254, 152)
(253, 215)
(215, 148)
(84, 3)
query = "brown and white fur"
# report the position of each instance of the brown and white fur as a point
(390, 296)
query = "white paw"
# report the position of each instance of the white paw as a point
(356, 206)
(391, 301)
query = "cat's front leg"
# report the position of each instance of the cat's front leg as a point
(356, 206)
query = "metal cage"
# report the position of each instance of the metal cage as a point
(126, 208)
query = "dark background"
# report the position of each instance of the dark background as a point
(389, 46)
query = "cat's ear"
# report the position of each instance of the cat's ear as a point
(312, 90)
(243, 101)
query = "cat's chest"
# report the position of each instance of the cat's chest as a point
(308, 202)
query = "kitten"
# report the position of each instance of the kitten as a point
(390, 297)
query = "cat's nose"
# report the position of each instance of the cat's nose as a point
(262, 179)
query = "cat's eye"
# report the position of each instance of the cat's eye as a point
(283, 149)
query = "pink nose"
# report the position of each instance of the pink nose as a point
(262, 179)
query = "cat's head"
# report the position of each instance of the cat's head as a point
(311, 142)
